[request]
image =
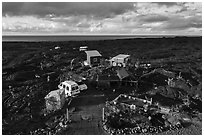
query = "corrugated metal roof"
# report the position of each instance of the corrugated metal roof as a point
(69, 83)
(93, 53)
(121, 56)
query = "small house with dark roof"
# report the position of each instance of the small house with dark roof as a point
(115, 78)
(108, 81)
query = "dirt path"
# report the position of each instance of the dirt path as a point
(89, 126)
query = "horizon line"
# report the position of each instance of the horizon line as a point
(99, 35)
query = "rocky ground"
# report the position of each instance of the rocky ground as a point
(26, 65)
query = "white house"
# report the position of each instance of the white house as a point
(120, 60)
(93, 57)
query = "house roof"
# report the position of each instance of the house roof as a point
(122, 73)
(121, 56)
(74, 77)
(93, 53)
(69, 82)
(108, 78)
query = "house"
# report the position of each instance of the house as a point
(107, 81)
(93, 57)
(120, 60)
(55, 100)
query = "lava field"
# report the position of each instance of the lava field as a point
(30, 70)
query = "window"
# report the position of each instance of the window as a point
(67, 88)
(74, 88)
(63, 86)
(125, 60)
(95, 59)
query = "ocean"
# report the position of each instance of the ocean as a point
(35, 38)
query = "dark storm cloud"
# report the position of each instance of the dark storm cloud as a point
(96, 9)
(11, 7)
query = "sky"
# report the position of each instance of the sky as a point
(103, 18)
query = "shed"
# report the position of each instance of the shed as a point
(120, 60)
(93, 57)
(55, 100)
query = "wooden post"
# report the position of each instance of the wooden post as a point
(67, 115)
(41, 66)
(103, 114)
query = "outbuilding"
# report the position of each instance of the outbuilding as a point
(120, 60)
(93, 57)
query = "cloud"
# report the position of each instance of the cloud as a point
(28, 23)
(102, 18)
(155, 8)
(154, 18)
(168, 4)
(83, 25)
(96, 9)
(183, 23)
